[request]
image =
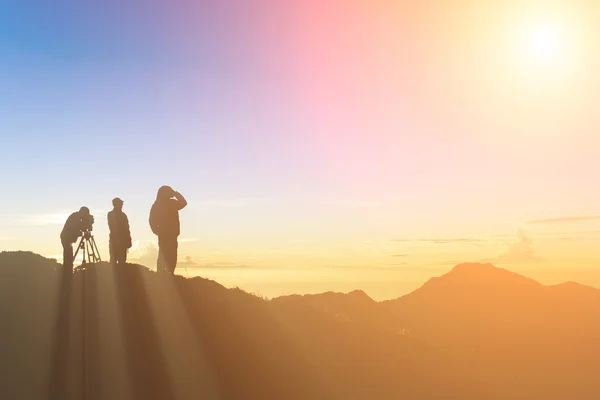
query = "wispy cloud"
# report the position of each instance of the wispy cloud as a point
(188, 262)
(57, 218)
(54, 218)
(564, 220)
(148, 255)
(135, 246)
(473, 241)
(397, 267)
(399, 255)
(587, 232)
(499, 235)
(518, 251)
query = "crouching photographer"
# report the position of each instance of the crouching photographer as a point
(80, 223)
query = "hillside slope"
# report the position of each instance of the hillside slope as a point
(129, 334)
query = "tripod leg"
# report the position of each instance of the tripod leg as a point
(96, 251)
(90, 253)
(79, 246)
(85, 252)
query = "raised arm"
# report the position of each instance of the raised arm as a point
(181, 201)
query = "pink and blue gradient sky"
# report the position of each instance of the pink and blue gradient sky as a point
(323, 145)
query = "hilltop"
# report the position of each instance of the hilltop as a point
(476, 332)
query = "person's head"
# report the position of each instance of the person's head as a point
(117, 204)
(84, 211)
(164, 193)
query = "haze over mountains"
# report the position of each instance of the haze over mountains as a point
(478, 332)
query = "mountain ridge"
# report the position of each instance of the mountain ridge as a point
(147, 337)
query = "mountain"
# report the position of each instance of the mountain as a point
(517, 336)
(478, 332)
(351, 308)
(482, 304)
(129, 333)
(545, 338)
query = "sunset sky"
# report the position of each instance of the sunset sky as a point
(322, 145)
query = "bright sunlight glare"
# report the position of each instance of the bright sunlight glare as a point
(545, 44)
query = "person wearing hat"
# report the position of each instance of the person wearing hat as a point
(120, 235)
(77, 222)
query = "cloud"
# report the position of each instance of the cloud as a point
(396, 267)
(564, 220)
(148, 255)
(399, 255)
(590, 232)
(499, 235)
(519, 251)
(188, 262)
(135, 246)
(55, 218)
(473, 241)
(381, 267)
(58, 218)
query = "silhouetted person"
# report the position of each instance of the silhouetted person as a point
(164, 222)
(120, 235)
(73, 229)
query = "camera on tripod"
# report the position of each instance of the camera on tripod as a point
(87, 225)
(87, 244)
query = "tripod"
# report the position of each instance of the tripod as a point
(87, 244)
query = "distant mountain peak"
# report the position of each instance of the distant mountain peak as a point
(486, 272)
(474, 280)
(359, 294)
(474, 267)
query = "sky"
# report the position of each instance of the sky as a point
(322, 145)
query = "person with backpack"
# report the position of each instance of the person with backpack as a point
(164, 222)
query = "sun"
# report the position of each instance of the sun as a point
(546, 45)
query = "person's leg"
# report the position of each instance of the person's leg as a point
(122, 255)
(160, 263)
(111, 250)
(67, 256)
(173, 256)
(167, 254)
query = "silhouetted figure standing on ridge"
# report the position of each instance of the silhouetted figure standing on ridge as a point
(120, 235)
(164, 222)
(73, 229)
